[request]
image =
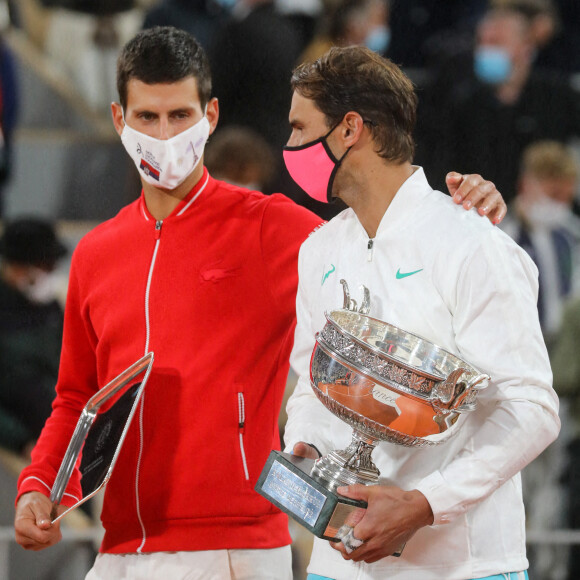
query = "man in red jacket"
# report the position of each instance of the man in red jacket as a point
(204, 274)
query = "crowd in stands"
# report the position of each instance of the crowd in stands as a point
(498, 84)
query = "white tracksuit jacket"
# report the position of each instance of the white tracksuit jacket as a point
(453, 278)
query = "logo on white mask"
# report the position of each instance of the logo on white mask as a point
(166, 163)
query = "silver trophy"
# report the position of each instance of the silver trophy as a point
(388, 385)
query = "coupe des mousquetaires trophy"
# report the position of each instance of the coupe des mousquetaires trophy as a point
(388, 385)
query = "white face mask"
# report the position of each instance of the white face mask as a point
(41, 287)
(548, 213)
(166, 163)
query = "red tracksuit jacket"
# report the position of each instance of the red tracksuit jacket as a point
(211, 291)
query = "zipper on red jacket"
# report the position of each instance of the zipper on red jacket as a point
(241, 425)
(158, 225)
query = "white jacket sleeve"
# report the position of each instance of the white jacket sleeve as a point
(308, 418)
(497, 330)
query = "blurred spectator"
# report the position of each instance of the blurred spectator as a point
(422, 27)
(566, 369)
(241, 156)
(542, 222)
(200, 18)
(8, 113)
(96, 7)
(252, 59)
(449, 54)
(303, 15)
(350, 23)
(12, 11)
(485, 120)
(555, 48)
(569, 11)
(83, 37)
(562, 52)
(31, 321)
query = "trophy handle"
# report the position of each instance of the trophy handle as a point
(455, 395)
(351, 304)
(445, 391)
(465, 400)
(346, 304)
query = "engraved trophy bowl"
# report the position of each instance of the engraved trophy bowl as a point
(388, 385)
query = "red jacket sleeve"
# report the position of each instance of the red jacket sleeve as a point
(77, 382)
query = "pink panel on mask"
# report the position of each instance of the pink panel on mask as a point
(311, 169)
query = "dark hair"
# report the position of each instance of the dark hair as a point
(357, 79)
(163, 54)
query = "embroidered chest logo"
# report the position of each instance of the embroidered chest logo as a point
(327, 274)
(401, 275)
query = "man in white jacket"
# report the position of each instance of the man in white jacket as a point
(435, 271)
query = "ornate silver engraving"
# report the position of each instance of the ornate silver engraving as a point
(388, 385)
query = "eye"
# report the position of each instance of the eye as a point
(146, 116)
(180, 115)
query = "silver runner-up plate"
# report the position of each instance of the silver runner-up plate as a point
(98, 437)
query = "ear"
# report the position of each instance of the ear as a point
(212, 114)
(351, 128)
(117, 113)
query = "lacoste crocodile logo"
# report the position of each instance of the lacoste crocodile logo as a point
(400, 274)
(216, 274)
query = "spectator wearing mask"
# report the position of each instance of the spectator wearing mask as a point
(500, 108)
(542, 222)
(543, 22)
(31, 322)
(566, 368)
(421, 28)
(351, 23)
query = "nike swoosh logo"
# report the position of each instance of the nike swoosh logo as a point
(400, 274)
(327, 274)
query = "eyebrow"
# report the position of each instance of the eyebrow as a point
(171, 112)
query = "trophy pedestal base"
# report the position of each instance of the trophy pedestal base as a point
(286, 482)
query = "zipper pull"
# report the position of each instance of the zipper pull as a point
(370, 250)
(241, 412)
(158, 225)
